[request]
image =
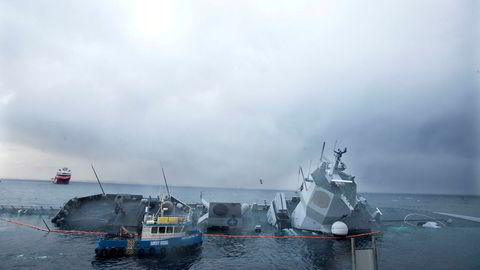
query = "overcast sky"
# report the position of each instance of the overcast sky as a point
(223, 93)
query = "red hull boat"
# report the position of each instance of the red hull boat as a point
(62, 177)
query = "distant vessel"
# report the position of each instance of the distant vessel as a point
(63, 176)
(328, 202)
(166, 227)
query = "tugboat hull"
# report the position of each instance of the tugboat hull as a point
(154, 248)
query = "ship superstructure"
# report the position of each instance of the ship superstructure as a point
(327, 202)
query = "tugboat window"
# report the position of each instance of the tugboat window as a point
(161, 230)
(169, 229)
(154, 229)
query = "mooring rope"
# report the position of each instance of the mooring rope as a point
(422, 215)
(74, 232)
(78, 232)
(297, 236)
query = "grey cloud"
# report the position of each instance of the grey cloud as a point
(249, 91)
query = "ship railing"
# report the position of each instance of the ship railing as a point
(28, 209)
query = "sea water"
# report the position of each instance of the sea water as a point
(401, 246)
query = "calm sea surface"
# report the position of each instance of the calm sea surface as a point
(401, 247)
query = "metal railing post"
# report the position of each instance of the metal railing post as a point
(352, 241)
(374, 252)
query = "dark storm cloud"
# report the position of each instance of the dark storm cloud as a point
(223, 95)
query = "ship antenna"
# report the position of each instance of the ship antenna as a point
(300, 170)
(166, 185)
(98, 180)
(321, 155)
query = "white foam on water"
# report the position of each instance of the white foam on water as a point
(431, 224)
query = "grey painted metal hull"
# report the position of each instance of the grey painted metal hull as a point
(101, 213)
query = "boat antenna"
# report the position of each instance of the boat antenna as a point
(98, 180)
(165, 179)
(321, 155)
(300, 171)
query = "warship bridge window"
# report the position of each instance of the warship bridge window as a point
(154, 229)
(161, 229)
(169, 229)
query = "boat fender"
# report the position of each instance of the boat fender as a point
(103, 252)
(163, 252)
(151, 251)
(232, 222)
(121, 252)
(112, 252)
(141, 252)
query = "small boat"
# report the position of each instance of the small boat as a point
(167, 227)
(62, 177)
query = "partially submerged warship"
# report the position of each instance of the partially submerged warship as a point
(327, 202)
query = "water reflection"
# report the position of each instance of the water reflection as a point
(174, 260)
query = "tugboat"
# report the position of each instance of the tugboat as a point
(167, 227)
(62, 177)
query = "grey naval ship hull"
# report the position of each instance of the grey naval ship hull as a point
(103, 213)
(109, 212)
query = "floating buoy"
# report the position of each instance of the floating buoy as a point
(339, 228)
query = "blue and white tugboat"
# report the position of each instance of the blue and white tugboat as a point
(167, 227)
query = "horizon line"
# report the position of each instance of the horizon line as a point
(243, 188)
